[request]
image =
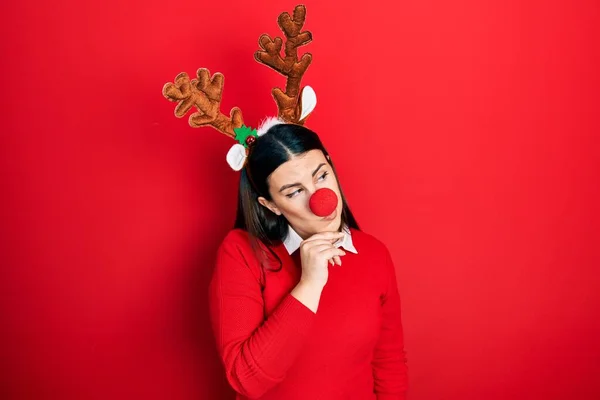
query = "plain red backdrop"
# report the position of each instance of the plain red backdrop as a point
(466, 138)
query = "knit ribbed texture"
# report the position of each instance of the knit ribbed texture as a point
(274, 347)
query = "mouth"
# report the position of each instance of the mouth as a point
(331, 216)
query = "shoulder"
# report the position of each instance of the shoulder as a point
(368, 243)
(236, 254)
(237, 243)
(235, 236)
(239, 239)
(373, 249)
(377, 253)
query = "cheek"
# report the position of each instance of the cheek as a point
(334, 186)
(293, 208)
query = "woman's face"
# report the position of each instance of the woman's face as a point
(291, 186)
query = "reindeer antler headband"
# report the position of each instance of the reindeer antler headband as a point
(294, 105)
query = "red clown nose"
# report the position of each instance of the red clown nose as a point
(323, 202)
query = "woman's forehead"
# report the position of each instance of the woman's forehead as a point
(298, 167)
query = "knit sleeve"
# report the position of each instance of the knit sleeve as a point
(389, 361)
(256, 351)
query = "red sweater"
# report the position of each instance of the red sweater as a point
(274, 348)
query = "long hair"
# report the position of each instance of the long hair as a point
(276, 146)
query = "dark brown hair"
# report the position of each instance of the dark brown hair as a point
(270, 150)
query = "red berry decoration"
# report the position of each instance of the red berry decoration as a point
(250, 140)
(323, 202)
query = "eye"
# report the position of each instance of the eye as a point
(324, 175)
(293, 193)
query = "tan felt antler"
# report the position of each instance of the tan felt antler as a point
(270, 55)
(205, 93)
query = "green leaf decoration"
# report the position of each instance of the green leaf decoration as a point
(242, 133)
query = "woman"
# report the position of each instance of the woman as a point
(303, 307)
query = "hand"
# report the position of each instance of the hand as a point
(316, 252)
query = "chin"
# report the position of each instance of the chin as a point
(334, 224)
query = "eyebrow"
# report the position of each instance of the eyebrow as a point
(298, 183)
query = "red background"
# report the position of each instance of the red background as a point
(465, 134)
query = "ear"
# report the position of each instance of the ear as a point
(308, 102)
(269, 204)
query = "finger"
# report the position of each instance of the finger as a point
(331, 262)
(330, 253)
(310, 242)
(338, 260)
(318, 248)
(316, 242)
(326, 235)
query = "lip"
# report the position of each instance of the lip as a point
(331, 216)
